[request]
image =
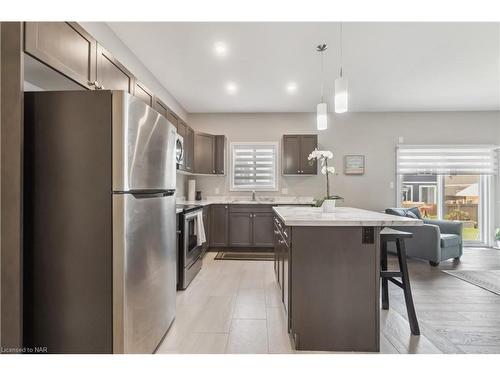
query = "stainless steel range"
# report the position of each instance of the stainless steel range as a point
(190, 249)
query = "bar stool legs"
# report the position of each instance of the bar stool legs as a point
(410, 308)
(398, 237)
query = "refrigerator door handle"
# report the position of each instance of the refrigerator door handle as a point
(149, 193)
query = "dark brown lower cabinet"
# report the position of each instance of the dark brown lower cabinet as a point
(262, 234)
(240, 229)
(329, 280)
(219, 225)
(285, 256)
(251, 226)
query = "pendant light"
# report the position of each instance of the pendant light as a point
(341, 102)
(321, 108)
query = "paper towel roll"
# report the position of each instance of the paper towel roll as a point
(191, 190)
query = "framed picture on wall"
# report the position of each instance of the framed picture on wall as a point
(354, 164)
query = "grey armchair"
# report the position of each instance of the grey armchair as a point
(435, 241)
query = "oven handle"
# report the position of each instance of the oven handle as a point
(191, 214)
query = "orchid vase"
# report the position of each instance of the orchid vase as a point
(328, 203)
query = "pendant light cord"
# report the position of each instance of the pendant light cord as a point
(321, 48)
(341, 50)
(322, 76)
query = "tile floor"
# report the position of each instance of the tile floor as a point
(235, 307)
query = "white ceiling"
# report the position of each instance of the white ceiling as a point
(390, 66)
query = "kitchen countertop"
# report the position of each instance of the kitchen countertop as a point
(343, 216)
(248, 200)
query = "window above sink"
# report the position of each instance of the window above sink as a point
(254, 166)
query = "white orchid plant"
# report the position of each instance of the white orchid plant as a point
(322, 157)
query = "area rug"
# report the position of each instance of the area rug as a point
(488, 279)
(240, 255)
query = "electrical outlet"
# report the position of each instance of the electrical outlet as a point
(391, 184)
(217, 190)
(401, 139)
(284, 191)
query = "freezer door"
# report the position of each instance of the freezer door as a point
(144, 270)
(143, 146)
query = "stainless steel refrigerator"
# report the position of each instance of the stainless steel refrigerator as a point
(100, 225)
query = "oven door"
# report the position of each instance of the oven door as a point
(192, 250)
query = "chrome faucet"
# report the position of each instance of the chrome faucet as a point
(253, 195)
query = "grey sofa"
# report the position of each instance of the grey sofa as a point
(435, 241)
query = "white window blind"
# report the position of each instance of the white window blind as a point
(447, 159)
(254, 166)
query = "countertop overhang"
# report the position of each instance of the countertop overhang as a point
(343, 216)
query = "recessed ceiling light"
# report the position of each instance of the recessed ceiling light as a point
(220, 49)
(231, 88)
(291, 87)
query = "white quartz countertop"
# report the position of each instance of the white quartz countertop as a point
(343, 216)
(248, 200)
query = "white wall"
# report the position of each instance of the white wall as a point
(107, 38)
(374, 135)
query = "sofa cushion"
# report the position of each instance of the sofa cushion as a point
(416, 212)
(396, 211)
(449, 240)
(411, 215)
(413, 212)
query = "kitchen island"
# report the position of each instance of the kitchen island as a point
(327, 265)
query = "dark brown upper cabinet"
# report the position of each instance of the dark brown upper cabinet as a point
(173, 118)
(219, 228)
(307, 145)
(220, 154)
(209, 153)
(189, 149)
(204, 153)
(111, 74)
(161, 108)
(143, 93)
(296, 149)
(64, 46)
(182, 129)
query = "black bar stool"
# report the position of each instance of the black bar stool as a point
(388, 235)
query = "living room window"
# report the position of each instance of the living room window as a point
(451, 183)
(254, 166)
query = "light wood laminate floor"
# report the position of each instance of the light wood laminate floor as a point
(235, 307)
